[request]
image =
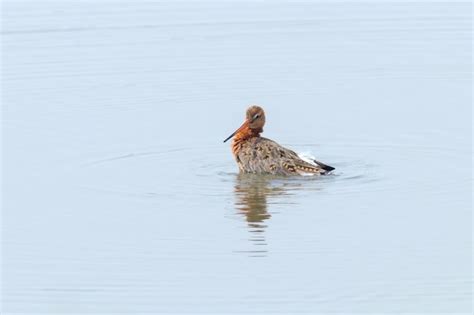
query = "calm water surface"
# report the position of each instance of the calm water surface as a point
(119, 196)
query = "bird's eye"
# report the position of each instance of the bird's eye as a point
(256, 116)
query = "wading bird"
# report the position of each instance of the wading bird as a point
(255, 154)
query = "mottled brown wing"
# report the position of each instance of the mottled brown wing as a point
(261, 155)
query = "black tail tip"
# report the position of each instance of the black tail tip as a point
(328, 168)
(325, 167)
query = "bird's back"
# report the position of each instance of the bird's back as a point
(264, 156)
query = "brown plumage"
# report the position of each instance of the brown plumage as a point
(255, 154)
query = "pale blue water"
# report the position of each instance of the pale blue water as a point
(119, 196)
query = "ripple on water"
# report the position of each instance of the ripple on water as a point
(206, 171)
(187, 177)
(209, 171)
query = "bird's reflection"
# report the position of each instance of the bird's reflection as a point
(252, 193)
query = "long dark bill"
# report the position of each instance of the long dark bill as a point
(244, 125)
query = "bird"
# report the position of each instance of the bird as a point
(259, 155)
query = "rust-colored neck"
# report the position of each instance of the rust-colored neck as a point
(242, 136)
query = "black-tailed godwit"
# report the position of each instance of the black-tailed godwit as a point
(255, 154)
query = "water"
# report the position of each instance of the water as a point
(119, 196)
